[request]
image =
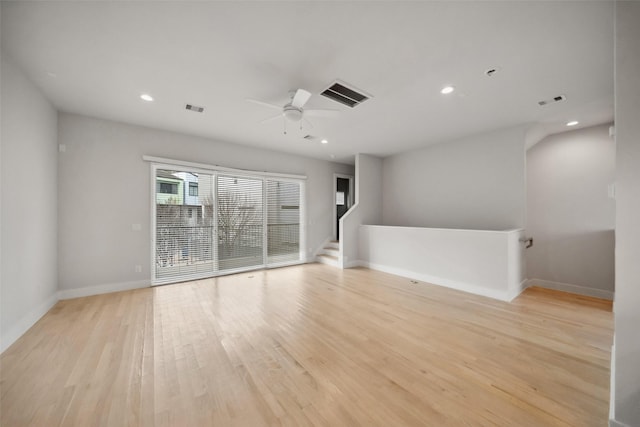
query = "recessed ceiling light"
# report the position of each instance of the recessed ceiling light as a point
(146, 97)
(572, 123)
(447, 89)
(324, 141)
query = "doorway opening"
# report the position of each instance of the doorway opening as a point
(343, 200)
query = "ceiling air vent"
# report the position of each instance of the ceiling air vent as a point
(350, 96)
(194, 108)
(552, 100)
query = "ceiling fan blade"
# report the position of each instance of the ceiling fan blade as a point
(271, 118)
(322, 113)
(307, 123)
(265, 104)
(300, 98)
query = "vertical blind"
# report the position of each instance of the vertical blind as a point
(214, 223)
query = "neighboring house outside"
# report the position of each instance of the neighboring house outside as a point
(177, 198)
(180, 231)
(190, 188)
(169, 188)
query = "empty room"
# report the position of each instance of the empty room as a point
(320, 213)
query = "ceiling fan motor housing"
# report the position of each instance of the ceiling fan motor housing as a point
(292, 113)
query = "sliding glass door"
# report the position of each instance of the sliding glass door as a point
(184, 231)
(209, 223)
(240, 223)
(283, 221)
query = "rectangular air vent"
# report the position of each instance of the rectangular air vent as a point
(552, 100)
(350, 96)
(194, 108)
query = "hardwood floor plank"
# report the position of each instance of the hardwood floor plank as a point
(311, 345)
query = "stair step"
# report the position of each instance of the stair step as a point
(332, 245)
(327, 259)
(331, 250)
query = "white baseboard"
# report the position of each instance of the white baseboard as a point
(520, 289)
(353, 264)
(447, 283)
(614, 423)
(26, 322)
(574, 289)
(102, 289)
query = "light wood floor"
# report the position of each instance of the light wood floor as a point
(311, 345)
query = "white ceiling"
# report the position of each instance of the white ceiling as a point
(96, 58)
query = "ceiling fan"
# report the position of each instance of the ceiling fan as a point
(294, 110)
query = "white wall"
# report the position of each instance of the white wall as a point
(474, 183)
(366, 210)
(29, 204)
(569, 213)
(626, 360)
(481, 262)
(104, 189)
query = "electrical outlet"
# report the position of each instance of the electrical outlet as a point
(138, 268)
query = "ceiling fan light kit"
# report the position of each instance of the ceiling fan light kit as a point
(292, 113)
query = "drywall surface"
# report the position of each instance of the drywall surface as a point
(367, 209)
(104, 189)
(476, 183)
(570, 214)
(477, 261)
(626, 360)
(29, 204)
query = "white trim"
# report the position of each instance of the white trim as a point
(26, 322)
(513, 230)
(612, 382)
(207, 167)
(574, 289)
(152, 207)
(447, 283)
(353, 264)
(614, 423)
(102, 289)
(303, 221)
(520, 289)
(515, 293)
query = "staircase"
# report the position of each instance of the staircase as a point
(330, 253)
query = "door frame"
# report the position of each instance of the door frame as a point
(349, 200)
